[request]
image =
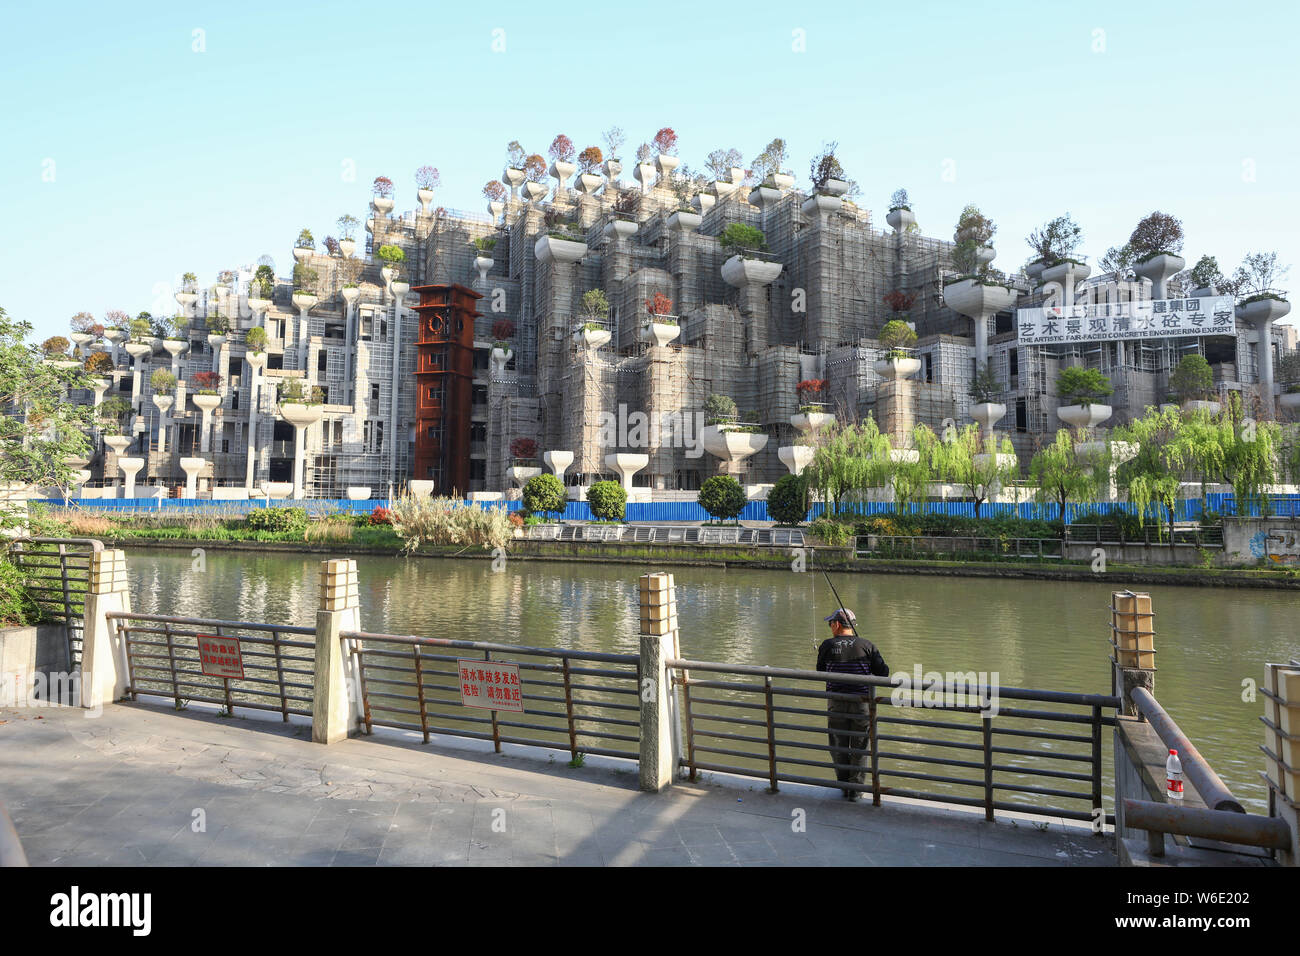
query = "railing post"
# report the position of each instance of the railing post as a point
(1132, 628)
(1282, 754)
(658, 607)
(988, 768)
(331, 713)
(103, 654)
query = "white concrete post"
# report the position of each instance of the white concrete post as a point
(331, 714)
(660, 743)
(103, 654)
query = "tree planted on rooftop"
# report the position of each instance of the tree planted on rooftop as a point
(535, 168)
(900, 200)
(771, 160)
(83, 322)
(589, 159)
(1056, 240)
(263, 284)
(719, 408)
(665, 142)
(255, 339)
(974, 226)
(347, 227)
(1157, 234)
(304, 279)
(428, 177)
(742, 237)
(56, 346)
(1082, 386)
(515, 155)
(382, 186)
(720, 162)
(896, 336)
(614, 138)
(562, 149)
(594, 306)
(1192, 379)
(162, 381)
(494, 190)
(985, 386)
(1259, 277)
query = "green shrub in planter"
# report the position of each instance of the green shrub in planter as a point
(723, 497)
(278, 520)
(544, 493)
(607, 500)
(787, 502)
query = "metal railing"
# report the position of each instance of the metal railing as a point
(766, 730)
(992, 548)
(57, 573)
(1211, 537)
(163, 660)
(1223, 817)
(570, 702)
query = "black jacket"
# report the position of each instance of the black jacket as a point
(850, 655)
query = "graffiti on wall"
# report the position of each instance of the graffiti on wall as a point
(1279, 545)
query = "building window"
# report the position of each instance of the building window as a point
(1022, 416)
(322, 361)
(374, 393)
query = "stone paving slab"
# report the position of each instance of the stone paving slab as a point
(144, 785)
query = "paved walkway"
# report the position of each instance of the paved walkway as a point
(145, 785)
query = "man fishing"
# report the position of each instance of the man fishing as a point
(844, 652)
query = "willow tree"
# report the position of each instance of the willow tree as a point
(910, 476)
(850, 458)
(1155, 474)
(1252, 455)
(1062, 475)
(39, 428)
(977, 468)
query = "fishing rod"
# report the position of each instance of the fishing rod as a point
(839, 603)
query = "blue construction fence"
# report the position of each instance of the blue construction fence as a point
(662, 511)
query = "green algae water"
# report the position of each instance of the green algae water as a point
(1211, 642)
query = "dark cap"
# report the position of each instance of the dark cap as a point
(844, 616)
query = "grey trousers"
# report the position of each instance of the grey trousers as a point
(848, 722)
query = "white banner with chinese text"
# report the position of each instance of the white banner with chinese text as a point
(1110, 321)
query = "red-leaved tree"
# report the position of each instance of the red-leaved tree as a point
(503, 329)
(900, 301)
(562, 149)
(494, 190)
(665, 142)
(659, 305)
(811, 385)
(523, 448)
(590, 158)
(382, 186)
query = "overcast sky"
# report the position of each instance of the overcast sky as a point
(142, 141)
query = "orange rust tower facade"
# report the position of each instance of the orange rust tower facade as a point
(444, 374)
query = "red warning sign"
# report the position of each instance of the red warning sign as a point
(220, 656)
(490, 684)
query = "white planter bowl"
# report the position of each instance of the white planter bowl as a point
(897, 368)
(1084, 416)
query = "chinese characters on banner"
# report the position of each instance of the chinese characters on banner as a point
(220, 656)
(1110, 321)
(490, 684)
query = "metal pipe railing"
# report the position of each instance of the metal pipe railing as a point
(1199, 773)
(1224, 825)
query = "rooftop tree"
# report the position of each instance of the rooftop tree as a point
(1056, 241)
(589, 159)
(382, 186)
(1258, 277)
(495, 190)
(84, 322)
(665, 142)
(900, 200)
(1082, 386)
(722, 161)
(771, 160)
(347, 226)
(614, 139)
(535, 168)
(1157, 234)
(1192, 379)
(515, 155)
(562, 149)
(427, 177)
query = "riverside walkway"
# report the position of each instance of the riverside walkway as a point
(130, 788)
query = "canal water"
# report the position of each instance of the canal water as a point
(1211, 642)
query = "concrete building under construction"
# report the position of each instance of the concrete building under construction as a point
(469, 366)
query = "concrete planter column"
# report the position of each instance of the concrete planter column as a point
(174, 348)
(1120, 452)
(130, 468)
(187, 300)
(809, 422)
(256, 362)
(99, 386)
(1261, 314)
(1084, 416)
(626, 465)
(732, 447)
(218, 342)
(192, 467)
(1158, 269)
(206, 403)
(796, 457)
(1066, 275)
(301, 417)
(559, 462)
(424, 197)
(560, 171)
(979, 303)
(117, 444)
(140, 353)
(163, 404)
(750, 276)
(303, 302)
(988, 414)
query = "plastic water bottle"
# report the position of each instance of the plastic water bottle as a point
(1173, 777)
